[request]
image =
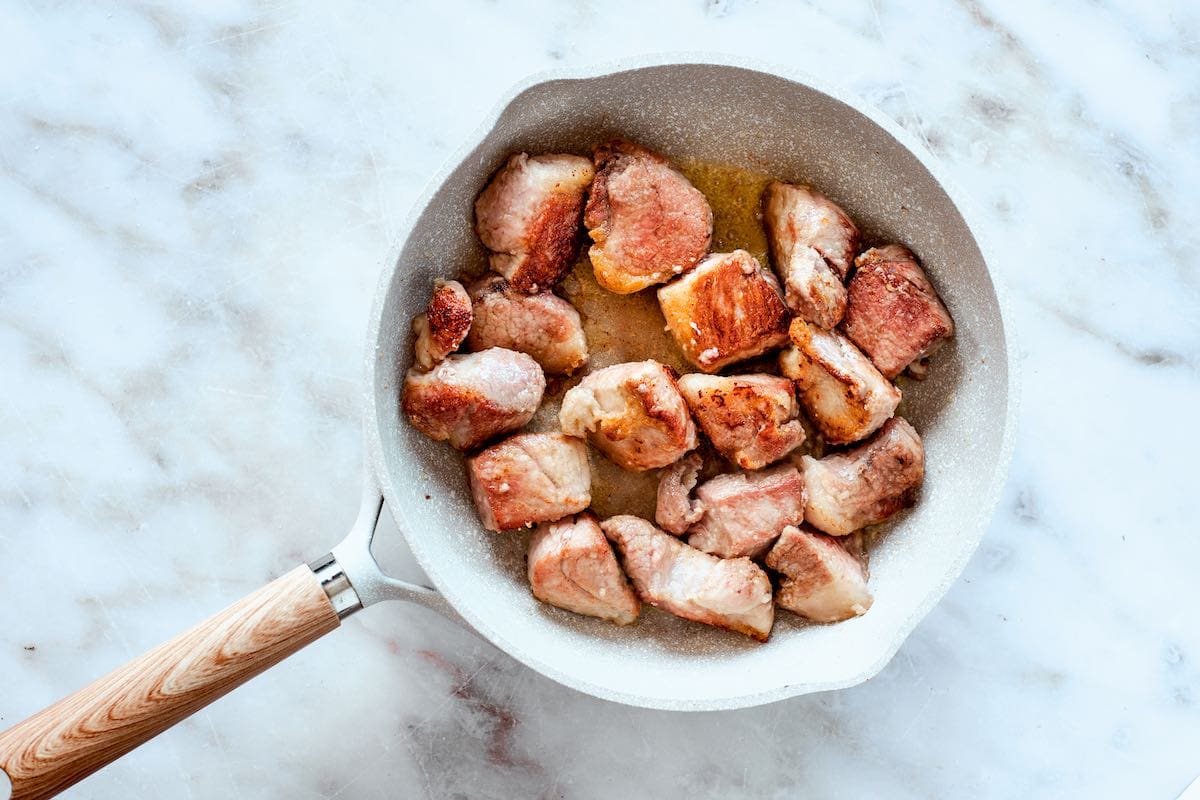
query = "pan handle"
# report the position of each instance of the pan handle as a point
(81, 733)
(66, 742)
(352, 557)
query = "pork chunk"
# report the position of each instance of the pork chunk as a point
(867, 484)
(528, 217)
(633, 413)
(675, 510)
(646, 220)
(745, 511)
(751, 419)
(822, 581)
(530, 478)
(732, 593)
(468, 399)
(813, 243)
(727, 309)
(894, 314)
(844, 395)
(542, 325)
(441, 329)
(572, 566)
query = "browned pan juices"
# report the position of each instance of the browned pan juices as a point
(735, 195)
(631, 327)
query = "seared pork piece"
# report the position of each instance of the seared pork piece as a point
(751, 419)
(844, 395)
(543, 325)
(867, 484)
(530, 478)
(822, 580)
(633, 413)
(443, 326)
(648, 223)
(468, 399)
(894, 314)
(528, 217)
(730, 593)
(745, 511)
(727, 309)
(676, 510)
(572, 566)
(812, 244)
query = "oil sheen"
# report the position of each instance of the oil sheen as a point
(622, 328)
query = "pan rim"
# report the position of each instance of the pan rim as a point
(374, 430)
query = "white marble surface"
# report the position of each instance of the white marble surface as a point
(194, 206)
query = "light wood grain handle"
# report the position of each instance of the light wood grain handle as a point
(102, 721)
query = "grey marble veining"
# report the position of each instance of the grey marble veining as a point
(196, 204)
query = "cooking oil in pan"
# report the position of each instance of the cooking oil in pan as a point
(631, 327)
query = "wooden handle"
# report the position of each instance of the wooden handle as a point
(102, 721)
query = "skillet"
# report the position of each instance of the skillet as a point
(713, 109)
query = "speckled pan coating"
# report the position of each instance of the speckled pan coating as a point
(732, 111)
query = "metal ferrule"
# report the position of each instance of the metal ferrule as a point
(341, 594)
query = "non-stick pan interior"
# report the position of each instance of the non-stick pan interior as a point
(734, 115)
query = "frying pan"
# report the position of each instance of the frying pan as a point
(721, 110)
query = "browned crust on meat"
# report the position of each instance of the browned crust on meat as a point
(449, 317)
(891, 465)
(597, 211)
(543, 572)
(857, 414)
(808, 561)
(798, 561)
(499, 509)
(765, 316)
(822, 298)
(551, 244)
(771, 439)
(905, 465)
(668, 419)
(440, 402)
(491, 327)
(748, 407)
(827, 309)
(487, 473)
(610, 159)
(636, 429)
(673, 422)
(889, 292)
(490, 470)
(704, 320)
(839, 266)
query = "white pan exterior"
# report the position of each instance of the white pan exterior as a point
(893, 189)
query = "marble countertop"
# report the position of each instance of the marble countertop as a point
(194, 207)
